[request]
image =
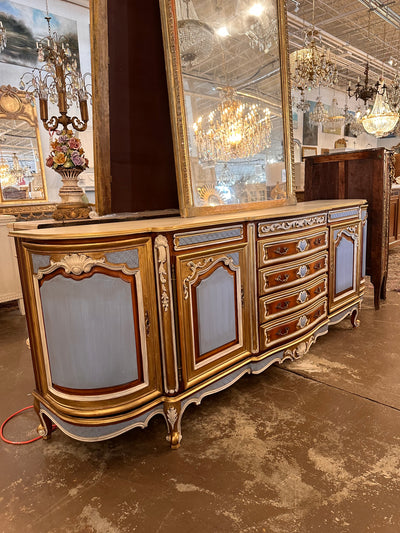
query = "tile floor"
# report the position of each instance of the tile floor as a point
(309, 446)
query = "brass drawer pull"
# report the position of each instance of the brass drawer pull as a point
(283, 305)
(283, 332)
(282, 278)
(318, 290)
(317, 314)
(281, 251)
(318, 241)
(318, 266)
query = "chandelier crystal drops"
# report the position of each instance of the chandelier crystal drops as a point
(311, 67)
(319, 115)
(262, 33)
(356, 125)
(393, 93)
(302, 104)
(382, 120)
(335, 117)
(58, 81)
(196, 38)
(234, 130)
(3, 37)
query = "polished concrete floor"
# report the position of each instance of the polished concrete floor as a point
(310, 446)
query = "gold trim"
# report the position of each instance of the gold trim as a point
(27, 112)
(179, 121)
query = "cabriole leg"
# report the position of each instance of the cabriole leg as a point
(172, 413)
(354, 318)
(45, 428)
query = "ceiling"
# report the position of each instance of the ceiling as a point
(354, 30)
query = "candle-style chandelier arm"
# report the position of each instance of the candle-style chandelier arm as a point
(58, 81)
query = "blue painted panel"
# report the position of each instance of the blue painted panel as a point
(344, 265)
(216, 310)
(90, 331)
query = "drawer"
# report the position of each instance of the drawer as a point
(292, 273)
(275, 305)
(276, 250)
(284, 329)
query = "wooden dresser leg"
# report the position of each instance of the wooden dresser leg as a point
(45, 427)
(172, 413)
(354, 318)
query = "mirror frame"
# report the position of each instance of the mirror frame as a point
(179, 122)
(15, 106)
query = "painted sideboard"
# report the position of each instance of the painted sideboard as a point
(10, 286)
(128, 320)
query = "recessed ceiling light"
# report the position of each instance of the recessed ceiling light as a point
(256, 10)
(222, 31)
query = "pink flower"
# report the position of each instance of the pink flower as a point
(49, 161)
(74, 143)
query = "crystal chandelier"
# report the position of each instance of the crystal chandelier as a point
(348, 115)
(311, 67)
(235, 129)
(262, 34)
(3, 37)
(356, 125)
(59, 81)
(393, 93)
(4, 169)
(335, 118)
(319, 115)
(302, 104)
(382, 119)
(196, 38)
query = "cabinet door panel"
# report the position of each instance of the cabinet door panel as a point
(345, 263)
(93, 328)
(212, 291)
(217, 319)
(97, 317)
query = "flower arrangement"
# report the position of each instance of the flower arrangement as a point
(67, 153)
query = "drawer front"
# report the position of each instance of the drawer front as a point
(288, 274)
(275, 251)
(271, 307)
(282, 330)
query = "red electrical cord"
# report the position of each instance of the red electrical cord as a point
(8, 419)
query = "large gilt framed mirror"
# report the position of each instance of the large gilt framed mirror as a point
(22, 176)
(227, 71)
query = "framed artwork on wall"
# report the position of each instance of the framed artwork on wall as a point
(310, 132)
(306, 151)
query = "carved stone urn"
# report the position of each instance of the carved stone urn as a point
(71, 206)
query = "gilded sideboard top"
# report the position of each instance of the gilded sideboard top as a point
(159, 225)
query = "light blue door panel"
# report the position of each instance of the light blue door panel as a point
(344, 265)
(90, 331)
(216, 310)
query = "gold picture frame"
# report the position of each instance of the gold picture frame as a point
(307, 151)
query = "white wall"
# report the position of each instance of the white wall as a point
(11, 74)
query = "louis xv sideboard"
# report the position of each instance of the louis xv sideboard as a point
(128, 320)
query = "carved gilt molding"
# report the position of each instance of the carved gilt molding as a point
(161, 252)
(290, 225)
(203, 266)
(78, 264)
(301, 349)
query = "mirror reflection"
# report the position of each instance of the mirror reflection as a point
(20, 169)
(230, 64)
